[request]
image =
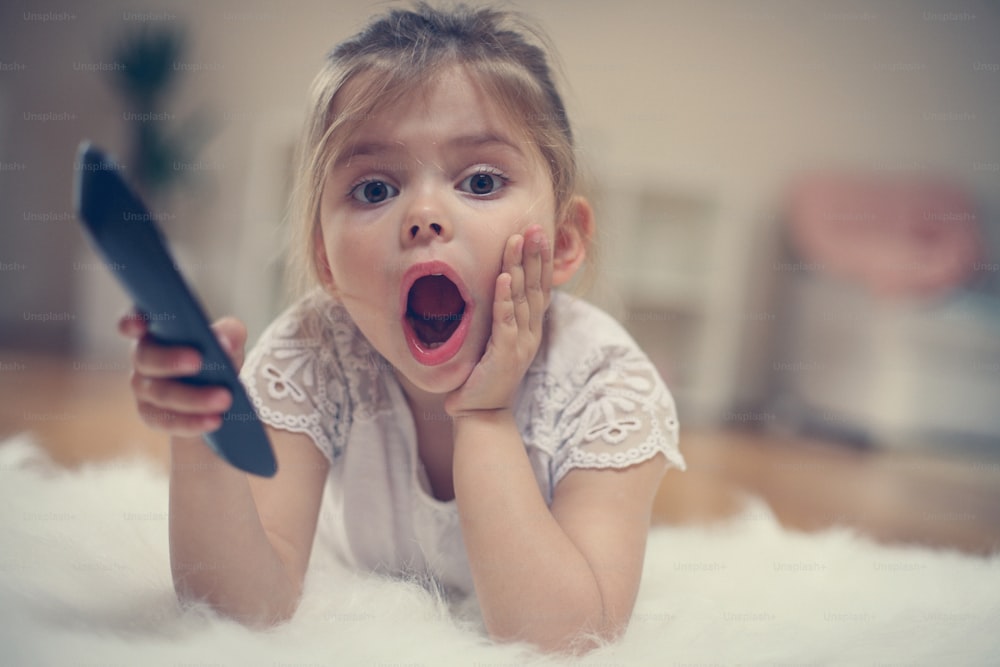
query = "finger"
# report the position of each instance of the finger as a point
(546, 255)
(178, 424)
(515, 267)
(504, 318)
(533, 269)
(512, 253)
(179, 397)
(132, 324)
(155, 360)
(232, 335)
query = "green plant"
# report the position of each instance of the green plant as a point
(148, 80)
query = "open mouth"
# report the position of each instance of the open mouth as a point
(434, 309)
(436, 312)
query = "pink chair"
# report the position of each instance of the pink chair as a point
(897, 236)
(885, 334)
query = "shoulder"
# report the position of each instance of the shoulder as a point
(315, 334)
(595, 398)
(580, 338)
(311, 321)
(572, 315)
(302, 372)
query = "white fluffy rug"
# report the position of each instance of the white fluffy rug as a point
(85, 580)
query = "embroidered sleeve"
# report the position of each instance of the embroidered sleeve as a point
(619, 413)
(292, 378)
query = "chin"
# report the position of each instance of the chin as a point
(442, 379)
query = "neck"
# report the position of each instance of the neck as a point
(435, 444)
(421, 402)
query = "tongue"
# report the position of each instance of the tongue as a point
(435, 308)
(434, 298)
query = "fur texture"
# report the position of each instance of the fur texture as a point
(85, 580)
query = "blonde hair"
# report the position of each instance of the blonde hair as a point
(392, 57)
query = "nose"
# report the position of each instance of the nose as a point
(430, 229)
(426, 221)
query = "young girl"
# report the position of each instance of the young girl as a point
(464, 423)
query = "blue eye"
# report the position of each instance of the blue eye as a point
(373, 192)
(482, 183)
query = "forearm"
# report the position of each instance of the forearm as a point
(219, 551)
(532, 582)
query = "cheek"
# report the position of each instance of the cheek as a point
(531, 208)
(539, 209)
(346, 251)
(343, 243)
(356, 261)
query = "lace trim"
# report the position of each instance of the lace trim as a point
(619, 460)
(308, 424)
(292, 364)
(621, 415)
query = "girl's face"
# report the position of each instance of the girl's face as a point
(415, 215)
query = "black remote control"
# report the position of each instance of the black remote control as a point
(127, 237)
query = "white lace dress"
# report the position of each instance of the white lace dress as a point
(589, 391)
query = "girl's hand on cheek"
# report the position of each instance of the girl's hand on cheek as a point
(521, 292)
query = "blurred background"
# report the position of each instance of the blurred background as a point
(798, 208)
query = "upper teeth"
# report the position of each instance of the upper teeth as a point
(437, 274)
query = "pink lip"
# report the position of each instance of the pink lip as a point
(450, 347)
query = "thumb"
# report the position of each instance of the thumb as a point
(232, 335)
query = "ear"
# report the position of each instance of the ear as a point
(325, 275)
(573, 234)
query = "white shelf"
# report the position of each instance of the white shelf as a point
(661, 257)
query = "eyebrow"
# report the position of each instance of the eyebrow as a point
(364, 149)
(476, 140)
(378, 148)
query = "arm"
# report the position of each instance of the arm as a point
(239, 542)
(549, 576)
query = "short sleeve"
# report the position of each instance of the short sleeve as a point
(291, 376)
(619, 413)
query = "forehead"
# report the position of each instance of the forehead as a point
(441, 107)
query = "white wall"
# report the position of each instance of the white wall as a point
(731, 97)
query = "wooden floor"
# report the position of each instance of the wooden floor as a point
(83, 412)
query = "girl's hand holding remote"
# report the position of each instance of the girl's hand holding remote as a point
(163, 402)
(520, 299)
